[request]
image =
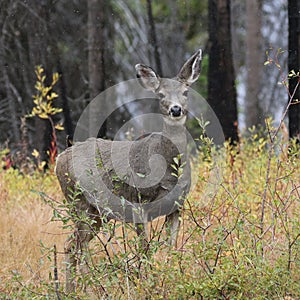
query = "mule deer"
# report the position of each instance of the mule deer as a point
(132, 180)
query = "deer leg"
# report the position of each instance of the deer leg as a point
(86, 234)
(173, 222)
(76, 251)
(71, 262)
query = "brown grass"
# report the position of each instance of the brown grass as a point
(25, 222)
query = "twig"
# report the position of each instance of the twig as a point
(56, 282)
(271, 149)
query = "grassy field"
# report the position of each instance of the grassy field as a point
(240, 236)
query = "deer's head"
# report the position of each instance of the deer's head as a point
(172, 93)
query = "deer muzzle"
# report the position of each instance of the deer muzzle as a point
(175, 111)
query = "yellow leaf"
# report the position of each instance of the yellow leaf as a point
(51, 96)
(55, 77)
(54, 95)
(45, 91)
(48, 107)
(36, 111)
(41, 165)
(43, 116)
(59, 127)
(35, 153)
(57, 110)
(38, 86)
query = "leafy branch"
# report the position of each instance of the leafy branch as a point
(45, 109)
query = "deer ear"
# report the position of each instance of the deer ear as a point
(190, 71)
(147, 77)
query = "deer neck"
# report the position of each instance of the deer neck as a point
(177, 134)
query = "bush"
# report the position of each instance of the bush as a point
(239, 237)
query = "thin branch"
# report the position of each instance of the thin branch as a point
(270, 153)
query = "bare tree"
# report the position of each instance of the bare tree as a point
(221, 86)
(96, 49)
(152, 37)
(254, 63)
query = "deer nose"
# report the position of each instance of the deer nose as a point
(175, 111)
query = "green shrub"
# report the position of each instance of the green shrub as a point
(239, 237)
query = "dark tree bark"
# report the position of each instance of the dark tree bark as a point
(153, 39)
(294, 64)
(68, 125)
(254, 63)
(221, 87)
(12, 108)
(96, 54)
(153, 106)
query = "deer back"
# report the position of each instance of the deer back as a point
(138, 172)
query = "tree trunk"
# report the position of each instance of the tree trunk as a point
(153, 106)
(96, 63)
(68, 124)
(12, 108)
(153, 39)
(254, 63)
(294, 64)
(221, 87)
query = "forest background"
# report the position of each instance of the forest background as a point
(95, 44)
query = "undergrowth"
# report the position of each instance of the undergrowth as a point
(239, 239)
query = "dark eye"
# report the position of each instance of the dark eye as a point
(185, 93)
(161, 95)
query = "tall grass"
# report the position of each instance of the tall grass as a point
(25, 224)
(222, 252)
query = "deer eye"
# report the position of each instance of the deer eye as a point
(185, 93)
(161, 95)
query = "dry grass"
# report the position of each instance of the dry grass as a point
(25, 222)
(221, 252)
